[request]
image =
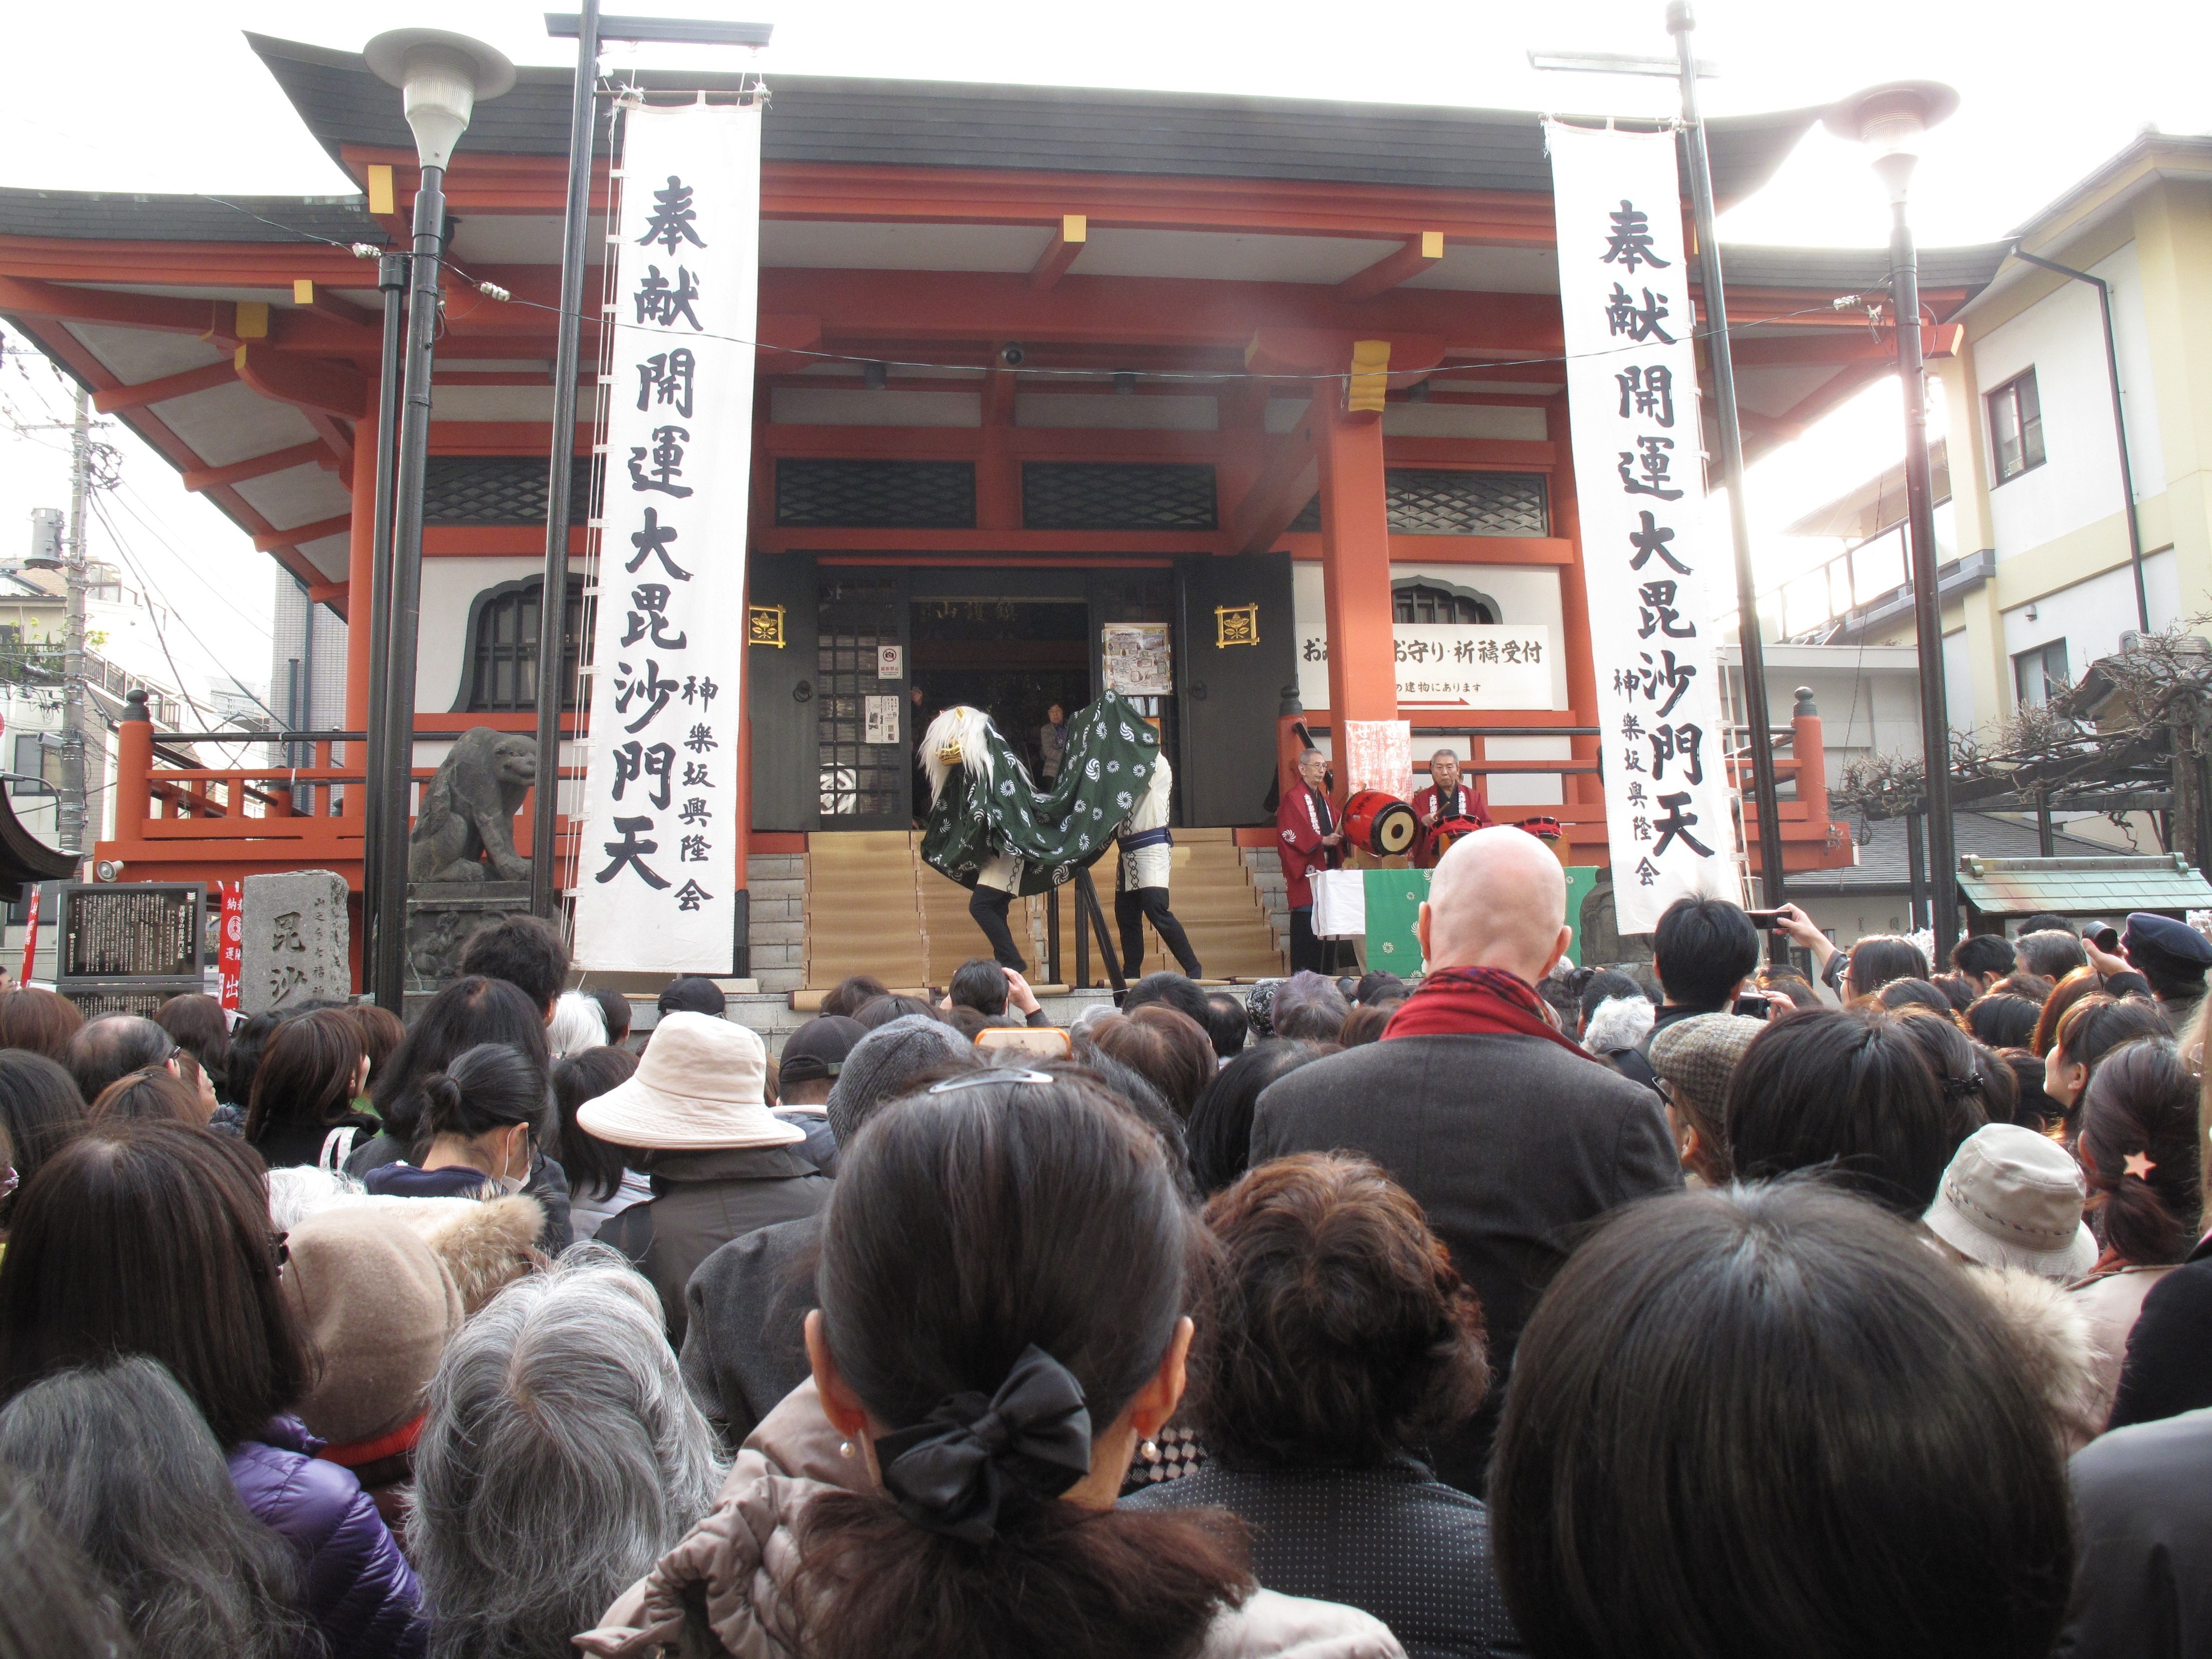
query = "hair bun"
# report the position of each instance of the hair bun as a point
(441, 1099)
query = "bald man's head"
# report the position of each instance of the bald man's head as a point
(1499, 899)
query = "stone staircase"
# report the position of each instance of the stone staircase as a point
(865, 903)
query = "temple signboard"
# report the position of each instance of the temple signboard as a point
(1631, 379)
(657, 879)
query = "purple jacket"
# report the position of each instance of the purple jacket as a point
(361, 1593)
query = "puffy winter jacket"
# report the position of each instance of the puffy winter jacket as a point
(361, 1593)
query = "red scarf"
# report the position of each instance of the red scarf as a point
(1474, 1002)
(361, 1453)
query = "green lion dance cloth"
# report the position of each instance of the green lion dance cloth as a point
(986, 807)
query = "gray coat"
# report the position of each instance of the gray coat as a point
(744, 1343)
(2144, 1499)
(1512, 1146)
(701, 1200)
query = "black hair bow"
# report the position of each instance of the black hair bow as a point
(948, 1471)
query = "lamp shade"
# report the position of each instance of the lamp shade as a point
(442, 78)
(1887, 120)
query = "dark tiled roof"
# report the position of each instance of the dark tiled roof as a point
(1850, 271)
(1076, 129)
(97, 216)
(1883, 866)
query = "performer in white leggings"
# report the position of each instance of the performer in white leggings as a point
(1141, 884)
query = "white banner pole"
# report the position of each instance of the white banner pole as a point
(655, 886)
(1632, 378)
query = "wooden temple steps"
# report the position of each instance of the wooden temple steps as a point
(872, 906)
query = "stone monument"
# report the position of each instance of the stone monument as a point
(462, 871)
(295, 944)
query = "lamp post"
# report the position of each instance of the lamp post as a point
(441, 77)
(1888, 120)
(589, 29)
(1750, 640)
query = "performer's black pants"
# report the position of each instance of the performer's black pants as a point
(1132, 908)
(988, 907)
(1306, 950)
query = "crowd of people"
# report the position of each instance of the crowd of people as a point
(1693, 1306)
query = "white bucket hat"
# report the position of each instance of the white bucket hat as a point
(699, 1088)
(2010, 1198)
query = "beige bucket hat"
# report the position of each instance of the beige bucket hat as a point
(699, 1087)
(2013, 1198)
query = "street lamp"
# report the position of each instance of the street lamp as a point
(1888, 121)
(442, 78)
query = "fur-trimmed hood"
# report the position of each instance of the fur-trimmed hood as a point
(2059, 1355)
(486, 1244)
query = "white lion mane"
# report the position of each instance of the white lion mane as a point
(967, 729)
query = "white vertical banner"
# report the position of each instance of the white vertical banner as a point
(1631, 379)
(656, 876)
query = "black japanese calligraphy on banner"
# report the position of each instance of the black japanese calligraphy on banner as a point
(657, 874)
(1630, 333)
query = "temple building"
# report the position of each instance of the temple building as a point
(1033, 362)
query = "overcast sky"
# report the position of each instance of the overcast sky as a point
(163, 97)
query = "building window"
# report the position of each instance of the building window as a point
(35, 758)
(1427, 501)
(2016, 427)
(875, 494)
(502, 649)
(2039, 675)
(1431, 602)
(1108, 495)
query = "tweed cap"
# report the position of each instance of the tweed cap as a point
(1695, 1058)
(883, 1061)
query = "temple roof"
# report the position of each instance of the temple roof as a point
(885, 123)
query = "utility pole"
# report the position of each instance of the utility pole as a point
(72, 804)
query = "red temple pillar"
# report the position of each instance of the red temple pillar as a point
(361, 600)
(1355, 563)
(1574, 603)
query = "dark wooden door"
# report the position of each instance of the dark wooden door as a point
(780, 680)
(1228, 695)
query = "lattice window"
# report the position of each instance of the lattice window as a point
(1427, 602)
(1424, 501)
(498, 490)
(859, 780)
(502, 648)
(876, 495)
(1433, 501)
(1087, 495)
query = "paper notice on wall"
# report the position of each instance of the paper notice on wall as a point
(656, 874)
(1639, 478)
(880, 718)
(1138, 661)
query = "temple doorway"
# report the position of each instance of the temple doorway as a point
(1012, 657)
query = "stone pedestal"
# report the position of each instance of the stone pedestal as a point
(295, 945)
(441, 918)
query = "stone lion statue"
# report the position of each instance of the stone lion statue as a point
(468, 811)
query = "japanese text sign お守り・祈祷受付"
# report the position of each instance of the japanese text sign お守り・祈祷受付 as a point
(1640, 480)
(656, 876)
